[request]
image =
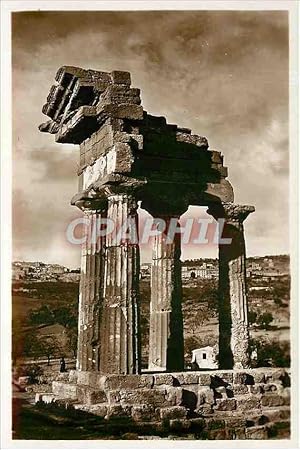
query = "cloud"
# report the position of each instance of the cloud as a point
(222, 73)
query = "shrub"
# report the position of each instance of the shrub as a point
(271, 353)
(34, 371)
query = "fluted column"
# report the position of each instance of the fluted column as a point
(166, 325)
(120, 334)
(90, 294)
(233, 307)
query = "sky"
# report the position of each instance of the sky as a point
(224, 74)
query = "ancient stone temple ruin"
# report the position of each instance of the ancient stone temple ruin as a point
(129, 158)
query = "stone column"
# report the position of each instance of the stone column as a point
(233, 308)
(166, 325)
(90, 294)
(120, 334)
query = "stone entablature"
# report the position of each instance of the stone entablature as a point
(118, 139)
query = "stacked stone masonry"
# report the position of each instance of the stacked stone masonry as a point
(251, 404)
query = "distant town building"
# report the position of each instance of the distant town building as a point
(56, 268)
(201, 270)
(205, 357)
(70, 277)
(36, 271)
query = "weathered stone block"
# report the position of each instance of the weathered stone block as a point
(272, 400)
(83, 378)
(216, 157)
(236, 421)
(258, 376)
(197, 423)
(73, 374)
(237, 433)
(259, 432)
(239, 389)
(120, 77)
(271, 387)
(243, 378)
(201, 141)
(214, 424)
(114, 396)
(275, 375)
(124, 157)
(187, 378)
(228, 404)
(173, 412)
(90, 396)
(223, 172)
(112, 382)
(279, 430)
(218, 381)
(220, 392)
(276, 414)
(141, 396)
(204, 379)
(121, 94)
(204, 410)
(180, 424)
(256, 388)
(227, 377)
(248, 403)
(118, 411)
(217, 435)
(285, 413)
(61, 377)
(134, 140)
(98, 410)
(142, 413)
(174, 395)
(126, 111)
(164, 378)
(64, 390)
(205, 395)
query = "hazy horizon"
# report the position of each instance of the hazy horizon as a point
(149, 262)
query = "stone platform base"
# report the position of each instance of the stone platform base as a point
(246, 404)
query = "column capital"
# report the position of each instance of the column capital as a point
(233, 213)
(91, 206)
(128, 198)
(87, 201)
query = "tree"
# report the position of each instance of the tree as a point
(18, 339)
(190, 343)
(65, 317)
(278, 301)
(49, 347)
(39, 346)
(265, 319)
(72, 341)
(32, 345)
(252, 316)
(41, 316)
(197, 319)
(271, 353)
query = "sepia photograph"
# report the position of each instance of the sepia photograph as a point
(151, 266)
